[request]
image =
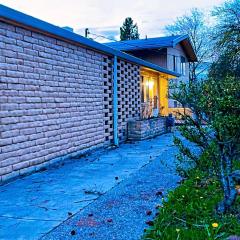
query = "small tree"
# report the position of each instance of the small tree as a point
(129, 30)
(214, 128)
(215, 124)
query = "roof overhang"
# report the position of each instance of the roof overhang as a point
(28, 22)
(165, 75)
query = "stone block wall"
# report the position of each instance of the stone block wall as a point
(146, 128)
(56, 99)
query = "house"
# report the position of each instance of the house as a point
(172, 52)
(62, 94)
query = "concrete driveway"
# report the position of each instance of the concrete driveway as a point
(51, 204)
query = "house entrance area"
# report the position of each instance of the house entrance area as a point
(154, 106)
(154, 100)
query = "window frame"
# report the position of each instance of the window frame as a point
(183, 66)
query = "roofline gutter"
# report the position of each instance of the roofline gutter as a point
(15, 17)
(179, 39)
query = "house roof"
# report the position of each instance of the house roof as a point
(18, 18)
(155, 43)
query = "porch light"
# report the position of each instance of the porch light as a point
(150, 84)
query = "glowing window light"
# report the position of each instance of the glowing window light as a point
(150, 84)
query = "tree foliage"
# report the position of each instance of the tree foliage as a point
(214, 125)
(129, 30)
(227, 39)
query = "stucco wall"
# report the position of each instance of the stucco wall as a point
(56, 98)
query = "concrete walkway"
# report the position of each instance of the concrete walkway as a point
(107, 195)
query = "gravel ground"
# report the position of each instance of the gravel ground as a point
(122, 212)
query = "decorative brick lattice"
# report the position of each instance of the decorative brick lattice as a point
(129, 100)
(108, 99)
(128, 96)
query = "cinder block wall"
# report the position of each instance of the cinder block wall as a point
(56, 100)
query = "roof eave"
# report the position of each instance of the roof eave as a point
(187, 45)
(191, 54)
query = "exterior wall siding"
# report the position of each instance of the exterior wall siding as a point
(56, 100)
(157, 57)
(178, 52)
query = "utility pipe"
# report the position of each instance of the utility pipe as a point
(115, 103)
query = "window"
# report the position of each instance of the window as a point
(149, 98)
(149, 89)
(183, 66)
(174, 63)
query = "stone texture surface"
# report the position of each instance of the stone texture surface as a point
(122, 213)
(146, 128)
(32, 206)
(56, 99)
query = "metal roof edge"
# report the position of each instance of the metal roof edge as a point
(179, 39)
(29, 21)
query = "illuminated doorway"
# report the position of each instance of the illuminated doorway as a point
(149, 96)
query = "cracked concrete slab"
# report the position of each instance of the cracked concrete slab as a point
(32, 206)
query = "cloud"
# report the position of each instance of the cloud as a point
(106, 16)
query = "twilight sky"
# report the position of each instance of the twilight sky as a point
(106, 16)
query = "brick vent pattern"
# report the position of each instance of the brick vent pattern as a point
(108, 99)
(56, 99)
(128, 97)
(129, 100)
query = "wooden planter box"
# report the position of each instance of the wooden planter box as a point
(146, 128)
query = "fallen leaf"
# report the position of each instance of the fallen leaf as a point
(148, 212)
(159, 193)
(150, 223)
